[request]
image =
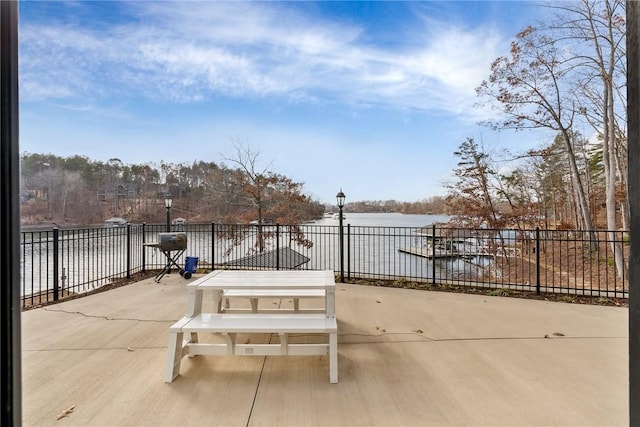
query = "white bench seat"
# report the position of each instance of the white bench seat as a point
(255, 294)
(230, 324)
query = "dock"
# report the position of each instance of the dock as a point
(426, 252)
(429, 253)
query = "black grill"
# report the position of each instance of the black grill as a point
(168, 243)
(172, 241)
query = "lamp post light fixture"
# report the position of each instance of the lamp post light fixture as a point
(340, 199)
(167, 204)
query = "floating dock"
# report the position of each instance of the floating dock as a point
(426, 252)
(429, 253)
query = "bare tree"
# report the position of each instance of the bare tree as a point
(69, 184)
(48, 181)
(255, 180)
(529, 90)
(472, 193)
(270, 197)
(598, 30)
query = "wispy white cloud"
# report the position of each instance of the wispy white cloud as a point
(192, 51)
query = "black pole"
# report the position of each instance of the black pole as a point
(349, 251)
(56, 263)
(537, 249)
(10, 344)
(128, 251)
(433, 254)
(168, 219)
(213, 246)
(341, 237)
(144, 240)
(277, 246)
(633, 131)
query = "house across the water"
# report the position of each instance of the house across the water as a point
(115, 222)
(179, 221)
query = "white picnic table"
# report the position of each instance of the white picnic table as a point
(255, 284)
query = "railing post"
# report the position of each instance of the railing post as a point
(341, 244)
(277, 246)
(128, 251)
(433, 254)
(144, 252)
(56, 263)
(537, 249)
(349, 251)
(213, 245)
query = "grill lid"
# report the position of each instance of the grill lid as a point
(172, 241)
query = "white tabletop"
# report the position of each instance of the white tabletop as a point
(260, 279)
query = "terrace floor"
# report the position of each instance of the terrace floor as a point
(406, 358)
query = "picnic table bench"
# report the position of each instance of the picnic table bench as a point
(255, 294)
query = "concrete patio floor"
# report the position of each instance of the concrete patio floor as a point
(406, 358)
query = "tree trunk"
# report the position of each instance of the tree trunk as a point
(608, 158)
(581, 199)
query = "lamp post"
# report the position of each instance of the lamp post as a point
(340, 198)
(167, 204)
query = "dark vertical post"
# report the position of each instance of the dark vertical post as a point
(349, 251)
(537, 249)
(168, 219)
(128, 251)
(340, 197)
(633, 123)
(10, 348)
(144, 252)
(277, 246)
(56, 263)
(433, 254)
(213, 246)
(341, 237)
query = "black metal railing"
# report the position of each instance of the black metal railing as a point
(59, 262)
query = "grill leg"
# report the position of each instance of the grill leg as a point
(171, 261)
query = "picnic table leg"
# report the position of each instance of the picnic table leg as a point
(333, 358)
(217, 301)
(174, 356)
(230, 338)
(284, 344)
(194, 302)
(330, 303)
(194, 340)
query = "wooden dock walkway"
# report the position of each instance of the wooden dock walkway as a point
(429, 253)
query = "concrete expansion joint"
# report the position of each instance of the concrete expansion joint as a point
(418, 333)
(110, 318)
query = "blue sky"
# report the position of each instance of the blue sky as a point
(370, 97)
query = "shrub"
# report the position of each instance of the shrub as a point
(499, 293)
